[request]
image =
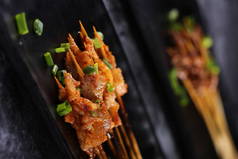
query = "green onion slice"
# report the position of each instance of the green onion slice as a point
(97, 44)
(189, 23)
(91, 69)
(110, 87)
(178, 89)
(97, 101)
(54, 70)
(63, 108)
(107, 63)
(207, 42)
(212, 66)
(38, 27)
(48, 59)
(21, 23)
(93, 113)
(173, 15)
(101, 35)
(176, 26)
(60, 49)
(60, 76)
(184, 100)
(65, 45)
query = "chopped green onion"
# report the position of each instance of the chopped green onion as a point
(107, 63)
(60, 76)
(110, 87)
(96, 67)
(177, 88)
(48, 59)
(60, 50)
(91, 69)
(207, 42)
(184, 101)
(38, 27)
(63, 108)
(173, 15)
(65, 45)
(97, 101)
(189, 23)
(174, 82)
(21, 23)
(93, 113)
(54, 70)
(97, 44)
(212, 66)
(101, 35)
(215, 70)
(176, 26)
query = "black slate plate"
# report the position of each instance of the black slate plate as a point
(61, 17)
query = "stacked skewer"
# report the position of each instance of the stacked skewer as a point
(120, 141)
(199, 75)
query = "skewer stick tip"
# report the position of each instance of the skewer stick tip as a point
(82, 29)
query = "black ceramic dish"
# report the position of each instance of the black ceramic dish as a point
(59, 18)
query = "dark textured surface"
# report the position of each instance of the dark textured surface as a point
(16, 139)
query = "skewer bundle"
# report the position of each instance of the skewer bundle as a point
(81, 89)
(198, 74)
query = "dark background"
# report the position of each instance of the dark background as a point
(135, 29)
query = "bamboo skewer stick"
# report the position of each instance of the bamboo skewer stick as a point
(102, 51)
(102, 152)
(112, 147)
(78, 68)
(82, 30)
(131, 135)
(121, 143)
(221, 121)
(128, 142)
(214, 117)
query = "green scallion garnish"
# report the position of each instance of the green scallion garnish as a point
(173, 15)
(107, 63)
(65, 45)
(54, 70)
(207, 42)
(21, 23)
(63, 108)
(184, 100)
(91, 69)
(93, 113)
(97, 44)
(38, 27)
(97, 101)
(176, 26)
(48, 59)
(212, 66)
(177, 88)
(110, 87)
(60, 76)
(60, 50)
(189, 23)
(101, 35)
